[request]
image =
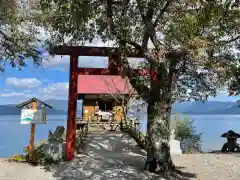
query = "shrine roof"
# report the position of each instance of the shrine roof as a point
(103, 84)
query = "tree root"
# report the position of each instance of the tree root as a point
(159, 167)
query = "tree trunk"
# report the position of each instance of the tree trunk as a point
(158, 151)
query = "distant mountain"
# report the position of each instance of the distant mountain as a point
(235, 109)
(199, 107)
(61, 104)
(59, 107)
(12, 110)
(207, 107)
(187, 107)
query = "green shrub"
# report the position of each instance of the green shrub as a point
(38, 155)
(18, 158)
(41, 157)
(185, 132)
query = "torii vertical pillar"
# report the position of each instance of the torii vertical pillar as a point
(72, 108)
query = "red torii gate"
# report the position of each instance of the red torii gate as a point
(113, 69)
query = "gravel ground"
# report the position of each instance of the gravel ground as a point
(115, 156)
(211, 166)
(17, 171)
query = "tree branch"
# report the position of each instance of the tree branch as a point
(147, 21)
(146, 38)
(125, 6)
(113, 31)
(141, 89)
(4, 34)
(155, 41)
(150, 31)
(112, 27)
(230, 41)
(162, 11)
(153, 34)
(141, 10)
(151, 7)
(129, 71)
(175, 57)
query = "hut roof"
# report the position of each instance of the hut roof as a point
(32, 100)
(103, 84)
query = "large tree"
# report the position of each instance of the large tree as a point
(191, 48)
(18, 34)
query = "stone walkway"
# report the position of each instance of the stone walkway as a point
(106, 155)
(109, 155)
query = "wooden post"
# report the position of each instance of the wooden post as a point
(72, 108)
(31, 146)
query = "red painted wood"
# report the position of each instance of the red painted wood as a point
(114, 65)
(90, 51)
(93, 71)
(72, 108)
(99, 71)
(104, 84)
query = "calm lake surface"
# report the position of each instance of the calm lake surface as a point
(14, 136)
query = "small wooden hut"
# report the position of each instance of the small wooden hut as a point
(103, 97)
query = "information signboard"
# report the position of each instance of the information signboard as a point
(31, 116)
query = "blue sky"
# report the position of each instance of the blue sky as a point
(51, 81)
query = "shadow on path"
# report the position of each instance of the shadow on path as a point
(110, 155)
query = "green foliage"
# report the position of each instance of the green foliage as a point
(80, 135)
(234, 79)
(18, 158)
(187, 36)
(58, 135)
(185, 132)
(38, 155)
(18, 35)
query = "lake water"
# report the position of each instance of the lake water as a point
(14, 136)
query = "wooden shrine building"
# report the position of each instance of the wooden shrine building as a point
(103, 97)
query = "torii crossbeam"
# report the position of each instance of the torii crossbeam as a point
(113, 69)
